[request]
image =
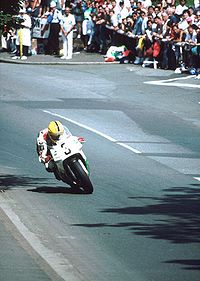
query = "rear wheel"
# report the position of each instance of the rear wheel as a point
(82, 179)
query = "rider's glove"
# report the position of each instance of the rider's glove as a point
(81, 139)
(48, 158)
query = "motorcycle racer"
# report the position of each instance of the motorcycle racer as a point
(46, 139)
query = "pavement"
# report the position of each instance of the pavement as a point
(79, 57)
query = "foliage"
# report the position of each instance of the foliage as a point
(189, 3)
(8, 8)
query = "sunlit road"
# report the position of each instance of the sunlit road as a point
(142, 140)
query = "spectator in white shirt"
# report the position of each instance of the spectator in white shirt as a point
(181, 7)
(67, 25)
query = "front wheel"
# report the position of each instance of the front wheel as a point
(81, 176)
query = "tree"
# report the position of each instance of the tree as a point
(8, 8)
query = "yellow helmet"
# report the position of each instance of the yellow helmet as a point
(55, 130)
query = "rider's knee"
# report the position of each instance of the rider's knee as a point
(51, 166)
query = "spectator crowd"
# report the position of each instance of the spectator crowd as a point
(132, 31)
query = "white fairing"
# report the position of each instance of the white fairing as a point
(65, 149)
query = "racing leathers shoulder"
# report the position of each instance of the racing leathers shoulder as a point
(44, 144)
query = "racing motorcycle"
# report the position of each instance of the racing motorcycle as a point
(72, 164)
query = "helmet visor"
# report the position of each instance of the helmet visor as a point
(55, 138)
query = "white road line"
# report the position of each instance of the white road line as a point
(94, 131)
(11, 154)
(60, 265)
(97, 132)
(159, 83)
(197, 178)
(168, 84)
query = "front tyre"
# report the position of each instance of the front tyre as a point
(81, 177)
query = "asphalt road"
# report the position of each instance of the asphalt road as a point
(142, 133)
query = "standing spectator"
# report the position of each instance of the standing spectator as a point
(23, 38)
(67, 26)
(100, 30)
(183, 23)
(180, 8)
(144, 20)
(157, 11)
(139, 31)
(191, 39)
(138, 24)
(54, 20)
(113, 20)
(197, 4)
(35, 6)
(167, 3)
(79, 16)
(146, 3)
(158, 28)
(87, 25)
(166, 42)
(115, 7)
(151, 11)
(171, 12)
(123, 11)
(177, 38)
(44, 6)
(197, 19)
(166, 19)
(192, 14)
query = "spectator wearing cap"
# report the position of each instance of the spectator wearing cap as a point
(54, 19)
(23, 37)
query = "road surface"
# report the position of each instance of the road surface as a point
(142, 133)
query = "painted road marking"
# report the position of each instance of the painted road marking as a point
(94, 131)
(171, 83)
(60, 265)
(197, 178)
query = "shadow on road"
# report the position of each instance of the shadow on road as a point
(174, 217)
(10, 181)
(180, 211)
(57, 189)
(188, 264)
